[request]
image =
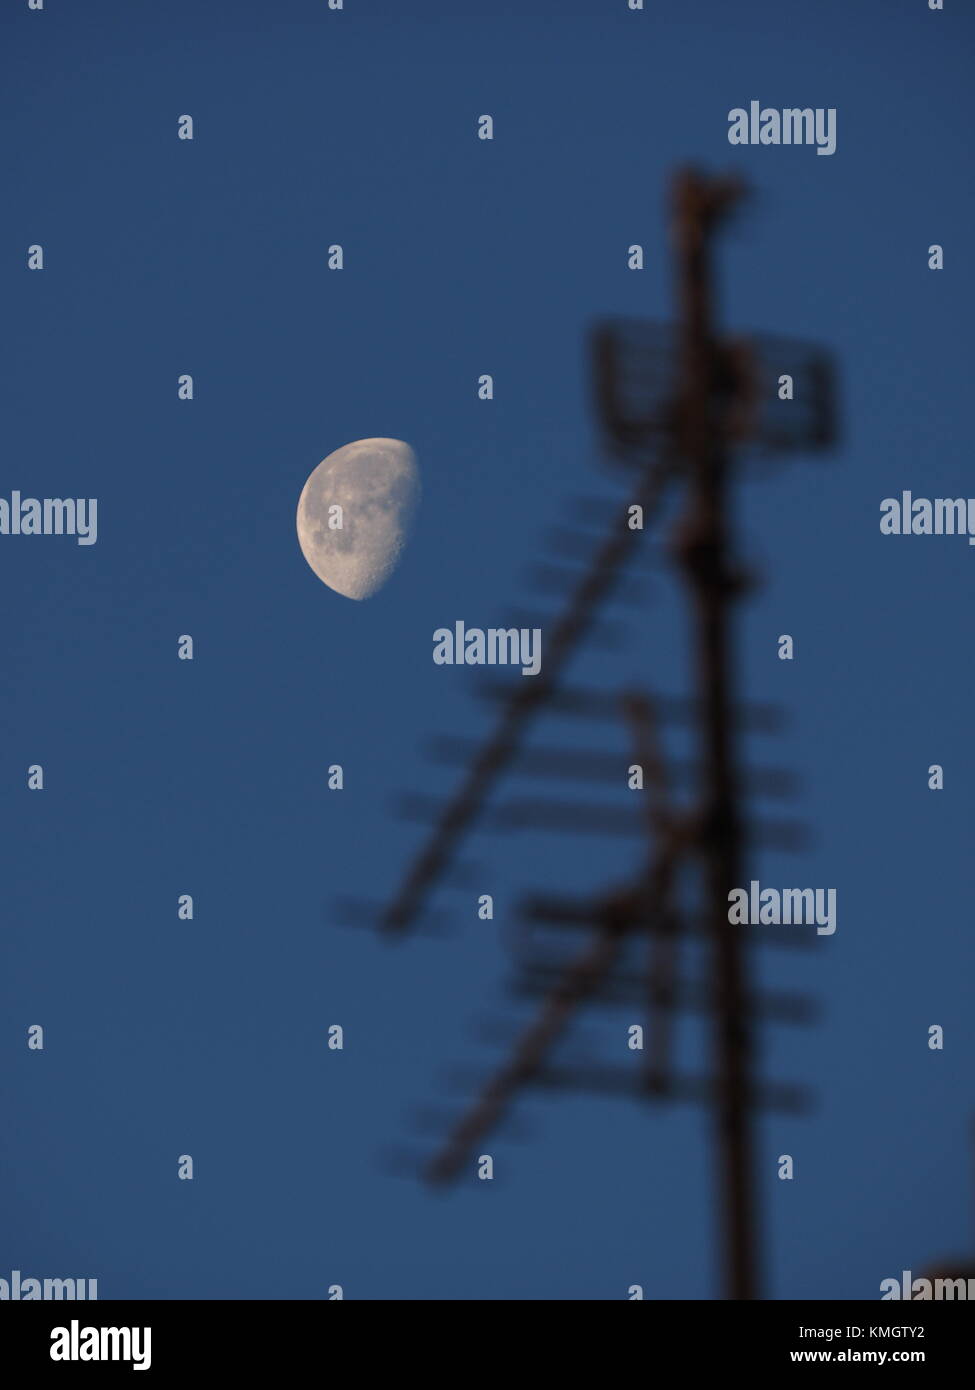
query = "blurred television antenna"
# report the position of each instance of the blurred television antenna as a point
(674, 403)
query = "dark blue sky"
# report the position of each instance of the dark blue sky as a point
(164, 777)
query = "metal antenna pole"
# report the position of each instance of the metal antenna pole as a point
(704, 549)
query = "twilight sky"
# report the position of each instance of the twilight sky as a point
(164, 777)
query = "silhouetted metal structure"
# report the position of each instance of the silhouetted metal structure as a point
(673, 405)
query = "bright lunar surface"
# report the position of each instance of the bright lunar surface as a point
(377, 484)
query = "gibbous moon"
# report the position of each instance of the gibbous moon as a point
(376, 484)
